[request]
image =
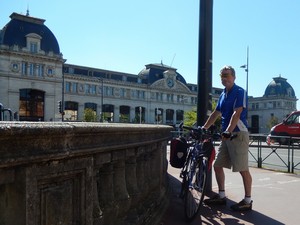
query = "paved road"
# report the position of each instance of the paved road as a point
(276, 200)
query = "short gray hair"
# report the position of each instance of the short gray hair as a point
(228, 68)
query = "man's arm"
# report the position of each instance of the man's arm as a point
(234, 119)
(211, 119)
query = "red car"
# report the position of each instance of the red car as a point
(289, 127)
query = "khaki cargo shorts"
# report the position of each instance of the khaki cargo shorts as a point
(234, 153)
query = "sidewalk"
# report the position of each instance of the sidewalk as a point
(276, 200)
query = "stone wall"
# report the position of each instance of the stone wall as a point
(82, 173)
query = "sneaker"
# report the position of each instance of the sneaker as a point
(215, 200)
(242, 206)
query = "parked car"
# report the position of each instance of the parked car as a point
(289, 127)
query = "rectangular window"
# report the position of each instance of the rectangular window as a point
(31, 69)
(87, 89)
(110, 91)
(133, 93)
(122, 92)
(93, 89)
(24, 68)
(33, 47)
(159, 96)
(68, 87)
(168, 97)
(74, 87)
(40, 70)
(140, 94)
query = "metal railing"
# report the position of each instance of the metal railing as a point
(275, 155)
(3, 110)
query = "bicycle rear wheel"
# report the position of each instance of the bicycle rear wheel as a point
(195, 191)
(185, 177)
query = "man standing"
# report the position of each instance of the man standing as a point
(232, 153)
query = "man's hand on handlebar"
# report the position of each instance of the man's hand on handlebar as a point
(228, 135)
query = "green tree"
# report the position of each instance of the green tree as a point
(89, 115)
(190, 117)
(272, 122)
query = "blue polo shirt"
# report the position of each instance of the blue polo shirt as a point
(235, 98)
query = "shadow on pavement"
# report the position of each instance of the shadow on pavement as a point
(209, 215)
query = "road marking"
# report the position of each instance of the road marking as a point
(264, 179)
(288, 181)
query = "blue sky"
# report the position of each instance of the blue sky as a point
(126, 35)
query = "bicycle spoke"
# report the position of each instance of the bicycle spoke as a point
(195, 191)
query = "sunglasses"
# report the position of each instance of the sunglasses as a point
(225, 75)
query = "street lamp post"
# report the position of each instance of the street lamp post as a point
(63, 95)
(102, 93)
(140, 114)
(246, 67)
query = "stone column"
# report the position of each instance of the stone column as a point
(132, 187)
(106, 194)
(122, 198)
(116, 114)
(132, 114)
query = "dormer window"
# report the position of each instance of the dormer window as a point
(33, 42)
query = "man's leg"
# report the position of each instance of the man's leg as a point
(219, 199)
(246, 203)
(247, 180)
(220, 177)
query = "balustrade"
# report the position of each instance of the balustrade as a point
(82, 173)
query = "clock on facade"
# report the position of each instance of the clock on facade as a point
(170, 82)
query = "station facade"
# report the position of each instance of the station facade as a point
(34, 77)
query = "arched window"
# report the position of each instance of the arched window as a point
(124, 114)
(71, 110)
(170, 116)
(31, 105)
(139, 114)
(108, 112)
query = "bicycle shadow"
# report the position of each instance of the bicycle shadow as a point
(209, 215)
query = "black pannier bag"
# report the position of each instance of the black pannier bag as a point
(178, 152)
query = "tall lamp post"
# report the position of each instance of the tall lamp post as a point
(102, 93)
(246, 67)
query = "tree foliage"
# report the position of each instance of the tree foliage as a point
(190, 117)
(89, 115)
(272, 122)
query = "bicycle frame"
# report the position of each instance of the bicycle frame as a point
(194, 172)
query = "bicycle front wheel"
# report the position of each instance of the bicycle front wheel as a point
(196, 190)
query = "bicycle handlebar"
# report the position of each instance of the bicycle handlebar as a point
(200, 131)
